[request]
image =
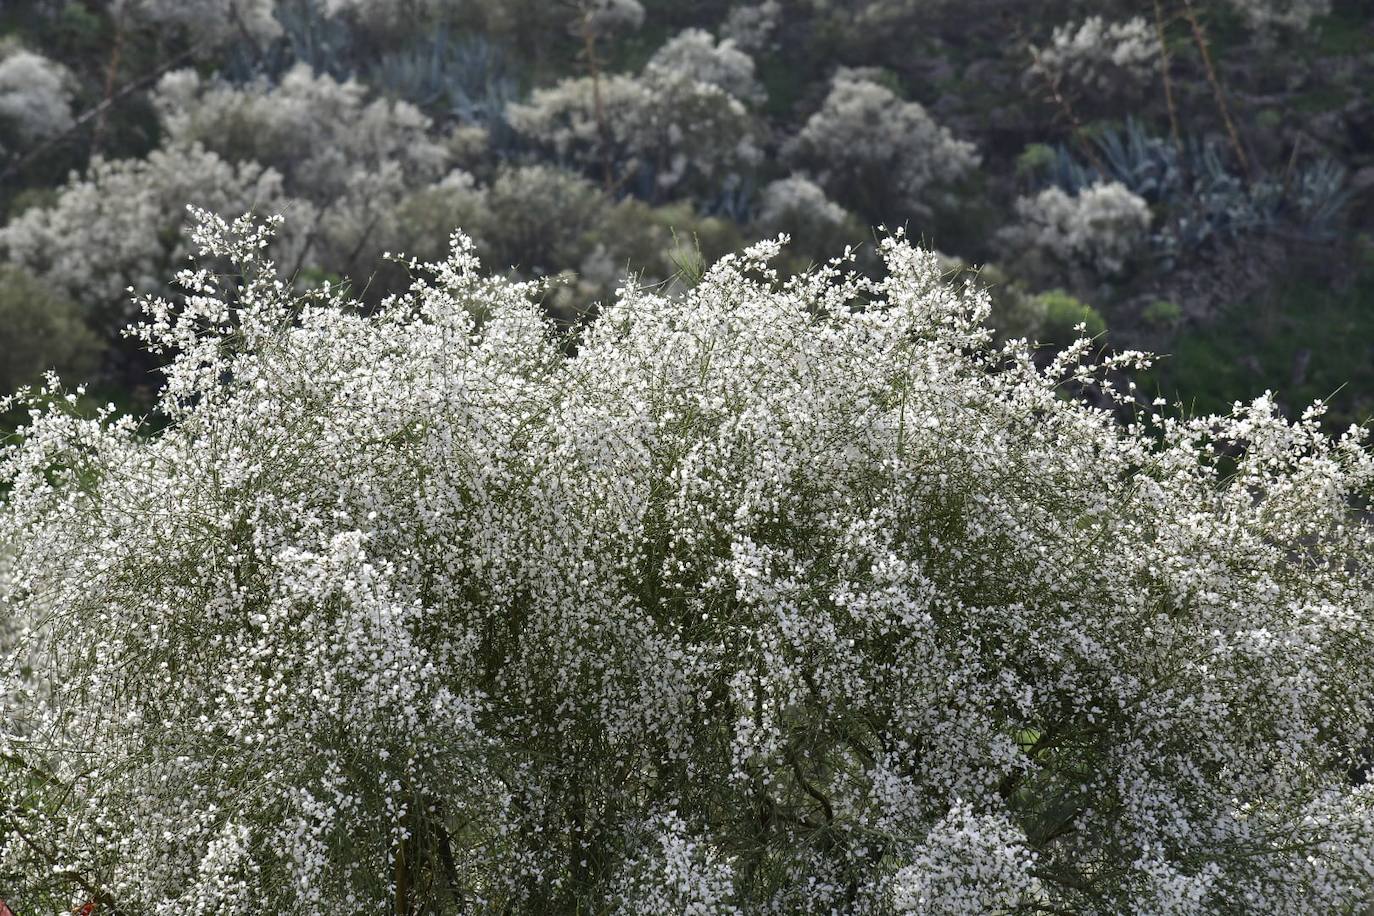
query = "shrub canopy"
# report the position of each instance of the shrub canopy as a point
(766, 596)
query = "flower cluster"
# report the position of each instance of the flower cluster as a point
(771, 595)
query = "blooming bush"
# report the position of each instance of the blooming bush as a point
(120, 225)
(35, 98)
(676, 126)
(1100, 59)
(875, 152)
(208, 22)
(1100, 227)
(320, 134)
(815, 225)
(768, 596)
(694, 55)
(752, 26)
(1294, 14)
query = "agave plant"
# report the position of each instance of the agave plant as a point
(1200, 197)
(463, 76)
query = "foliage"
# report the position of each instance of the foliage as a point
(464, 77)
(815, 225)
(319, 134)
(1311, 337)
(40, 331)
(1162, 314)
(1063, 316)
(206, 22)
(385, 123)
(769, 596)
(1267, 14)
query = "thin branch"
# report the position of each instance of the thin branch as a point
(111, 74)
(1164, 73)
(99, 896)
(826, 808)
(1200, 38)
(1052, 83)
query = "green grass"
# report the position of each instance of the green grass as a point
(1260, 345)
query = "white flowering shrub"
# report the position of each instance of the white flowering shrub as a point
(1101, 227)
(675, 873)
(1098, 59)
(353, 159)
(677, 126)
(320, 134)
(209, 22)
(606, 17)
(797, 197)
(1292, 14)
(752, 26)
(120, 225)
(695, 56)
(35, 98)
(383, 13)
(877, 153)
(815, 225)
(774, 596)
(562, 119)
